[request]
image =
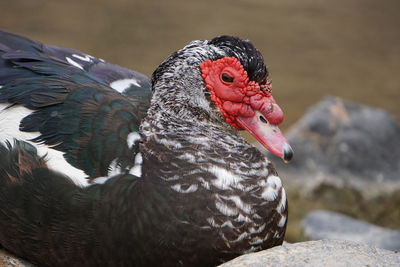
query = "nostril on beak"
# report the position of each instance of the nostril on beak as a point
(287, 153)
(264, 120)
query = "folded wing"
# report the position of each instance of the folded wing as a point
(70, 104)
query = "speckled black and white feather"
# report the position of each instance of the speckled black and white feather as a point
(195, 194)
(78, 110)
(209, 161)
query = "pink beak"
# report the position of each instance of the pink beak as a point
(264, 127)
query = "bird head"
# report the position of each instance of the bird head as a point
(233, 82)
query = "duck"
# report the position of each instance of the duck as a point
(104, 166)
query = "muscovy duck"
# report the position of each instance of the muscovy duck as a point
(94, 174)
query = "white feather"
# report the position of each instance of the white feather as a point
(241, 218)
(170, 143)
(187, 157)
(274, 181)
(86, 58)
(255, 241)
(121, 85)
(224, 178)
(257, 230)
(282, 221)
(239, 203)
(225, 209)
(282, 203)
(137, 168)
(100, 180)
(269, 194)
(10, 119)
(132, 138)
(74, 63)
(178, 188)
(113, 168)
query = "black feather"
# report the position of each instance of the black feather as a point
(251, 59)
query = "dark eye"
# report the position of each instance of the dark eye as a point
(227, 78)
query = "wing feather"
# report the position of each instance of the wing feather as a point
(74, 110)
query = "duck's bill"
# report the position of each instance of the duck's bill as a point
(269, 135)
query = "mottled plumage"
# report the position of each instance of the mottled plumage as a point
(171, 182)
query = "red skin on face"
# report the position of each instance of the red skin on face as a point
(240, 97)
(246, 104)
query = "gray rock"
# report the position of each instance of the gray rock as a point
(7, 259)
(341, 137)
(346, 144)
(322, 224)
(319, 253)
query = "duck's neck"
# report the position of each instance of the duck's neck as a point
(190, 156)
(196, 152)
(217, 171)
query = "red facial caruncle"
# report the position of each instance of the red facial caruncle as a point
(246, 104)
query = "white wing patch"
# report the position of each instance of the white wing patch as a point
(100, 180)
(74, 63)
(137, 168)
(10, 119)
(113, 168)
(86, 58)
(132, 138)
(121, 85)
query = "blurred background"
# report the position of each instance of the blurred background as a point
(314, 48)
(348, 48)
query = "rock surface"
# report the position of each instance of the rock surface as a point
(342, 137)
(319, 253)
(7, 260)
(346, 159)
(321, 224)
(344, 143)
(311, 253)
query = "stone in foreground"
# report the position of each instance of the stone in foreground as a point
(321, 224)
(346, 139)
(8, 260)
(319, 253)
